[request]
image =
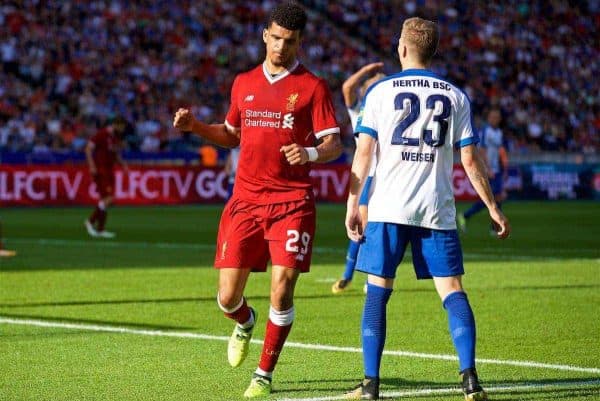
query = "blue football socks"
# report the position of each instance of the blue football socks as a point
(373, 328)
(351, 260)
(462, 328)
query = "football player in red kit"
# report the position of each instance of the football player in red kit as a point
(283, 119)
(102, 152)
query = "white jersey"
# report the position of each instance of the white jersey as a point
(418, 119)
(492, 141)
(354, 113)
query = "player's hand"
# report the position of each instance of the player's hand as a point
(93, 171)
(294, 154)
(373, 67)
(184, 120)
(500, 223)
(354, 225)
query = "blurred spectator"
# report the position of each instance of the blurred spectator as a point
(209, 155)
(69, 65)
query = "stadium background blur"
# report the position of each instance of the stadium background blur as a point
(68, 66)
(66, 300)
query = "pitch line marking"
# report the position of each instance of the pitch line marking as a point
(455, 390)
(497, 253)
(321, 347)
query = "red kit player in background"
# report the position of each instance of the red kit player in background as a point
(283, 119)
(102, 152)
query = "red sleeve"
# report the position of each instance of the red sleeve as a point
(98, 137)
(233, 115)
(323, 112)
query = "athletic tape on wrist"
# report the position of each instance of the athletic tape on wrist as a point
(313, 154)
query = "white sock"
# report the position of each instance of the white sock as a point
(261, 372)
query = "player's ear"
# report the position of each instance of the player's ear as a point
(265, 35)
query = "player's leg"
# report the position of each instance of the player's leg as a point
(231, 301)
(380, 256)
(105, 187)
(437, 254)
(290, 231)
(373, 331)
(353, 246)
(342, 284)
(240, 246)
(92, 221)
(462, 329)
(103, 206)
(279, 325)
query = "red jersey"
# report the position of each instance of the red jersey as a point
(292, 107)
(105, 150)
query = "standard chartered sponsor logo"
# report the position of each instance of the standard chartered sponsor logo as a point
(288, 121)
(268, 119)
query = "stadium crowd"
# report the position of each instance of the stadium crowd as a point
(68, 66)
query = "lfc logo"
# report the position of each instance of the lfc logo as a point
(291, 101)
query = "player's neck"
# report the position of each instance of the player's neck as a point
(413, 65)
(274, 70)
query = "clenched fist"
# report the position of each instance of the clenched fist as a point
(184, 120)
(294, 154)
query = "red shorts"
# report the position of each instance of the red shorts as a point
(105, 184)
(250, 235)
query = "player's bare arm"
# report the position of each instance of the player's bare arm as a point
(89, 150)
(218, 134)
(477, 173)
(329, 149)
(358, 175)
(485, 162)
(352, 83)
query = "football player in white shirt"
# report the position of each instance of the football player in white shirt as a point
(494, 153)
(414, 120)
(359, 82)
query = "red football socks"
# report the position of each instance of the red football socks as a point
(241, 314)
(274, 339)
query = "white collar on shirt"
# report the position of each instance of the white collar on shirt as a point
(281, 75)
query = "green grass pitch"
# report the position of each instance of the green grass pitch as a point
(135, 318)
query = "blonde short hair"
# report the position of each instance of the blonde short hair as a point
(423, 36)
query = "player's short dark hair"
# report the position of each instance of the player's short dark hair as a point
(119, 124)
(289, 15)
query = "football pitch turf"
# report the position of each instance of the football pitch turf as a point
(135, 318)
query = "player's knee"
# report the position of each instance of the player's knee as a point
(447, 285)
(229, 302)
(281, 317)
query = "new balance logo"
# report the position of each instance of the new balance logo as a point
(288, 121)
(249, 98)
